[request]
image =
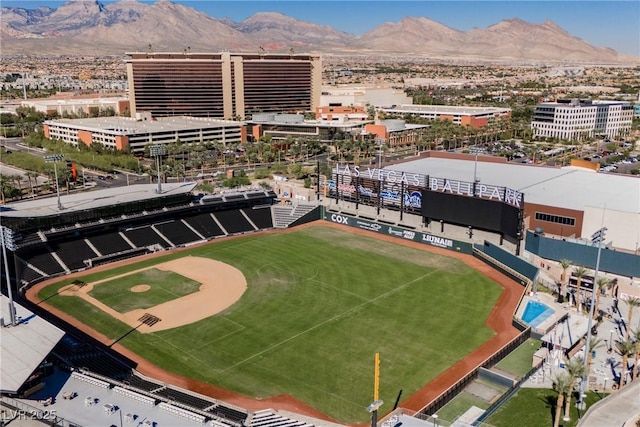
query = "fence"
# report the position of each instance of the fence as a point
(506, 396)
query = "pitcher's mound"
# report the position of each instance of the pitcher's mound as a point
(140, 288)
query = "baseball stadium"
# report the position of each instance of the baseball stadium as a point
(234, 309)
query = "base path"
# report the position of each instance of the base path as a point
(221, 285)
(499, 321)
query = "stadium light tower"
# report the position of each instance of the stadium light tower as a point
(596, 238)
(7, 241)
(54, 158)
(158, 151)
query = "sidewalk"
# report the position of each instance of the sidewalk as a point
(618, 409)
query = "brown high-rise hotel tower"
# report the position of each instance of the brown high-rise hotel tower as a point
(224, 85)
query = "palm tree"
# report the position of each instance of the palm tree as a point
(635, 336)
(594, 343)
(603, 283)
(632, 303)
(579, 272)
(32, 175)
(575, 368)
(625, 347)
(563, 384)
(565, 264)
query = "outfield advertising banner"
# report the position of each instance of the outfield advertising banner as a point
(399, 232)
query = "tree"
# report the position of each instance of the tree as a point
(635, 337)
(565, 264)
(603, 283)
(632, 304)
(594, 343)
(563, 384)
(575, 368)
(625, 347)
(579, 272)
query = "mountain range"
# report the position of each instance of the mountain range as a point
(81, 27)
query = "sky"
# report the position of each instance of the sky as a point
(609, 23)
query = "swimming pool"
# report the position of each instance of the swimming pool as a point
(536, 312)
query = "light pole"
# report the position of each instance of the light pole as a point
(610, 341)
(435, 420)
(6, 237)
(158, 151)
(597, 237)
(377, 403)
(54, 158)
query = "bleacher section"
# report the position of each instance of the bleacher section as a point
(186, 399)
(73, 253)
(142, 384)
(41, 258)
(177, 232)
(205, 225)
(233, 221)
(145, 236)
(76, 354)
(29, 275)
(284, 215)
(228, 413)
(109, 243)
(270, 418)
(260, 216)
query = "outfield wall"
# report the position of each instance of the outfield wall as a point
(611, 261)
(400, 232)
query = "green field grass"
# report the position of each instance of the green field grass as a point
(164, 286)
(520, 361)
(535, 407)
(319, 304)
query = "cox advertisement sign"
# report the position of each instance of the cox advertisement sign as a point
(402, 233)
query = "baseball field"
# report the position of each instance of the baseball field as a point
(300, 313)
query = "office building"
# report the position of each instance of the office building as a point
(223, 85)
(127, 134)
(476, 117)
(574, 119)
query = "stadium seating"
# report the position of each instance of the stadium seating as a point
(205, 225)
(109, 243)
(29, 275)
(181, 398)
(233, 221)
(270, 418)
(73, 253)
(145, 236)
(177, 232)
(139, 383)
(41, 258)
(229, 413)
(260, 216)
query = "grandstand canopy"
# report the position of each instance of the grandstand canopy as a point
(93, 199)
(24, 346)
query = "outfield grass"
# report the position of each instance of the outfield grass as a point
(459, 405)
(164, 286)
(319, 304)
(535, 407)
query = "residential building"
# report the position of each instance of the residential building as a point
(123, 133)
(476, 117)
(223, 85)
(574, 119)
